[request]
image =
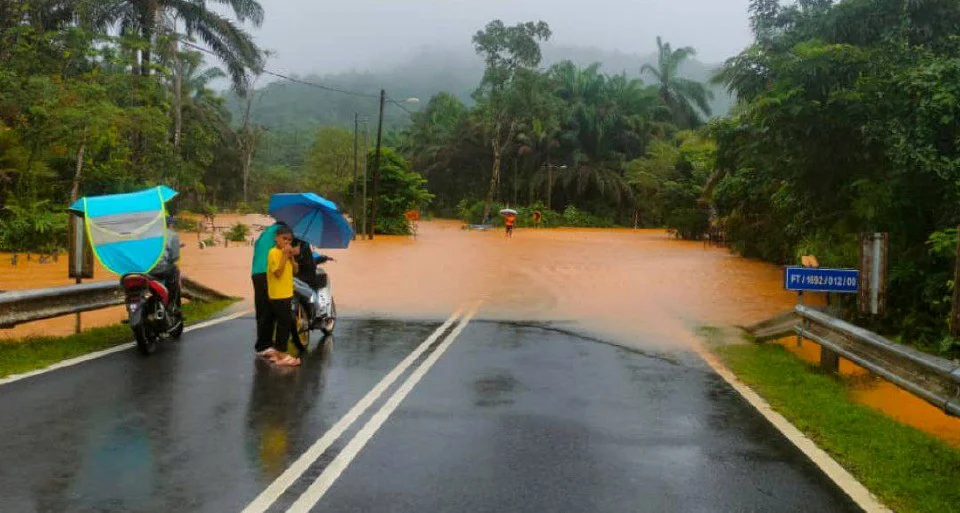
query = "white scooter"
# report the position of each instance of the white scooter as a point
(315, 308)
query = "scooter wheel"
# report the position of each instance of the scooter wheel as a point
(330, 322)
(146, 339)
(177, 332)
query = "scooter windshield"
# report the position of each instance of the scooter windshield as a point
(127, 231)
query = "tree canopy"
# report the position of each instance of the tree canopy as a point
(847, 124)
(86, 109)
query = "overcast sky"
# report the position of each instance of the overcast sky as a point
(327, 36)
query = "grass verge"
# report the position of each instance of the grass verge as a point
(910, 471)
(19, 356)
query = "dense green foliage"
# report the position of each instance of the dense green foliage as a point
(566, 137)
(85, 111)
(848, 123)
(400, 190)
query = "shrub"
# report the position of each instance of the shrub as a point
(472, 213)
(572, 216)
(32, 227)
(238, 233)
(393, 226)
(184, 224)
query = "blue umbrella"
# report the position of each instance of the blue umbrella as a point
(314, 219)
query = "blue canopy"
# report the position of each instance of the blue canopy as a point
(128, 232)
(313, 218)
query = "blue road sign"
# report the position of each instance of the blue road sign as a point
(821, 280)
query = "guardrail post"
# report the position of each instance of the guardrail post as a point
(829, 361)
(955, 307)
(802, 320)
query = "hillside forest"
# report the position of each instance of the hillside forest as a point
(839, 118)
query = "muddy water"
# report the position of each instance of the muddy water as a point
(639, 288)
(885, 396)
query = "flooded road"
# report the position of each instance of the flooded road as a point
(638, 288)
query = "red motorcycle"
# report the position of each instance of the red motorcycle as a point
(154, 312)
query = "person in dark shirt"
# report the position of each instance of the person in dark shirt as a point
(307, 272)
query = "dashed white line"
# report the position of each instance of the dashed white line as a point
(308, 458)
(330, 474)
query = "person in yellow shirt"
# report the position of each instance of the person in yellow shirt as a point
(281, 266)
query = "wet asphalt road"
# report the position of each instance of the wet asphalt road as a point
(511, 417)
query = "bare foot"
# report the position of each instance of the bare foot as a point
(289, 361)
(268, 352)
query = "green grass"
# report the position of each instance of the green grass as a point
(909, 470)
(19, 356)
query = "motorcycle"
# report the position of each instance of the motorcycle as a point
(153, 314)
(315, 308)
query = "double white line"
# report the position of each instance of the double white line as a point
(330, 474)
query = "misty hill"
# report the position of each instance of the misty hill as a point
(283, 105)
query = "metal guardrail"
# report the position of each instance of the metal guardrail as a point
(935, 380)
(20, 306)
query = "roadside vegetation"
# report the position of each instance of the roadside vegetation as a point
(84, 111)
(910, 471)
(845, 122)
(19, 356)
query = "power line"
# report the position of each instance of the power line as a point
(398, 104)
(296, 80)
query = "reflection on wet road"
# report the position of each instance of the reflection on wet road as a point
(512, 417)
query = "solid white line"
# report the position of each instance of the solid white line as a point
(116, 349)
(330, 474)
(839, 475)
(308, 458)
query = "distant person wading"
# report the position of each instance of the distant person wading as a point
(510, 222)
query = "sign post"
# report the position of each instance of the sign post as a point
(873, 268)
(413, 219)
(842, 281)
(80, 255)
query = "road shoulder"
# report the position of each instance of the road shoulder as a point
(870, 456)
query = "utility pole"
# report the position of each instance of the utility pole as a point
(366, 152)
(376, 166)
(353, 210)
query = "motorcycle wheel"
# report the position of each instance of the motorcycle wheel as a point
(177, 332)
(330, 322)
(146, 339)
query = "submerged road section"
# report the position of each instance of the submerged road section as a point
(458, 416)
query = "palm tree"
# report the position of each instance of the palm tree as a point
(538, 139)
(196, 78)
(434, 131)
(189, 84)
(687, 99)
(586, 177)
(148, 20)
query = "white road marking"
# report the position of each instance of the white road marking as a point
(308, 458)
(116, 349)
(839, 475)
(330, 474)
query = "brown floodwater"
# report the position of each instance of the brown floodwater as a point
(640, 288)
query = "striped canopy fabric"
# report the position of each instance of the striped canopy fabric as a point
(128, 232)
